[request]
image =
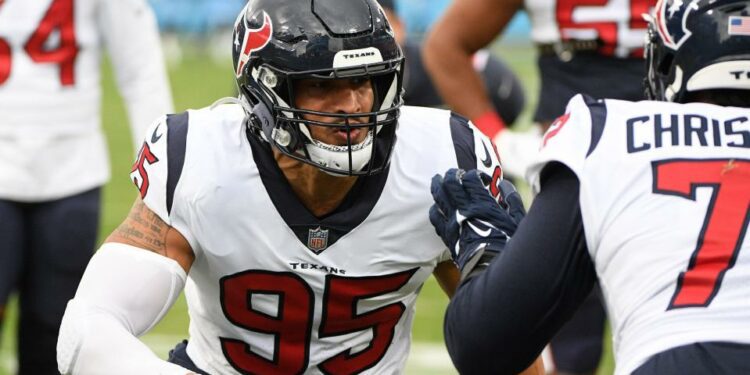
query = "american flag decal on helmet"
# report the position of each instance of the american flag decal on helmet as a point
(317, 239)
(254, 40)
(739, 25)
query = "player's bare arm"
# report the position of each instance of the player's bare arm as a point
(447, 275)
(450, 45)
(143, 229)
(126, 289)
(536, 368)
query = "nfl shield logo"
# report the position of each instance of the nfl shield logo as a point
(317, 240)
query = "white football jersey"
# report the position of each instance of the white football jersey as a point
(664, 196)
(51, 144)
(274, 289)
(616, 23)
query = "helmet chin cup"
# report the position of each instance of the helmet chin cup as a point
(336, 158)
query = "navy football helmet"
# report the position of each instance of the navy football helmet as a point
(279, 41)
(695, 45)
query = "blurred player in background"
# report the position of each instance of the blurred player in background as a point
(294, 220)
(502, 86)
(53, 156)
(652, 198)
(591, 49)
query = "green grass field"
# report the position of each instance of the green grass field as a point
(197, 82)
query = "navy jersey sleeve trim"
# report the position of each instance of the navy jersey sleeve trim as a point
(598, 110)
(177, 128)
(499, 321)
(463, 142)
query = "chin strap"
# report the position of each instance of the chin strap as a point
(337, 157)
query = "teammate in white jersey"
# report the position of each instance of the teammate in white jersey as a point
(53, 156)
(294, 220)
(594, 48)
(651, 197)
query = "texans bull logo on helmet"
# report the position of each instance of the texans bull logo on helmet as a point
(674, 34)
(255, 39)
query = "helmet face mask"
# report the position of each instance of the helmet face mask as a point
(297, 44)
(691, 46)
(658, 65)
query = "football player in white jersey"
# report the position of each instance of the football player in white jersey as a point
(651, 197)
(295, 222)
(589, 47)
(53, 156)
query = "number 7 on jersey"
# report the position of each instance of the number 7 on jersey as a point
(724, 226)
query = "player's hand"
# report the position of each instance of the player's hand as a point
(471, 223)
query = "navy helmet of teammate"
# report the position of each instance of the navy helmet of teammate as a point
(650, 198)
(696, 48)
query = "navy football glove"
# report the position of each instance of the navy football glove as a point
(471, 223)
